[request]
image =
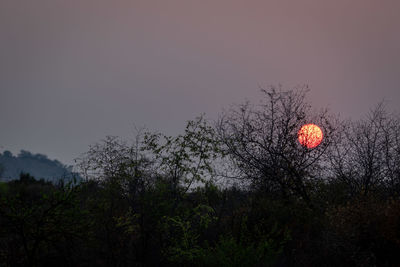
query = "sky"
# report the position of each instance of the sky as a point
(75, 71)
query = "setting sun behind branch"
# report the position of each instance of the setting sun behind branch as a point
(310, 135)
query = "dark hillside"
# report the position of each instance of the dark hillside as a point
(38, 165)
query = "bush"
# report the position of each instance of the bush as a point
(365, 231)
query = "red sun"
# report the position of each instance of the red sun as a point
(310, 135)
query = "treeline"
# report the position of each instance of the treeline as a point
(38, 165)
(239, 192)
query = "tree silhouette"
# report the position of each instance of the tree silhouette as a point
(261, 141)
(366, 156)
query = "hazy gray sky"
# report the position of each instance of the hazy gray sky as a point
(74, 71)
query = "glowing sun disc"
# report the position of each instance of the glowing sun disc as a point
(310, 135)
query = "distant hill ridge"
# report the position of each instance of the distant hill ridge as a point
(37, 165)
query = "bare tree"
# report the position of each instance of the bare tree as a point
(262, 142)
(366, 156)
(392, 154)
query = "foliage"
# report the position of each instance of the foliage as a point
(185, 159)
(184, 232)
(229, 252)
(41, 220)
(365, 231)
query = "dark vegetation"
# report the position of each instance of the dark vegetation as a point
(37, 165)
(241, 192)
